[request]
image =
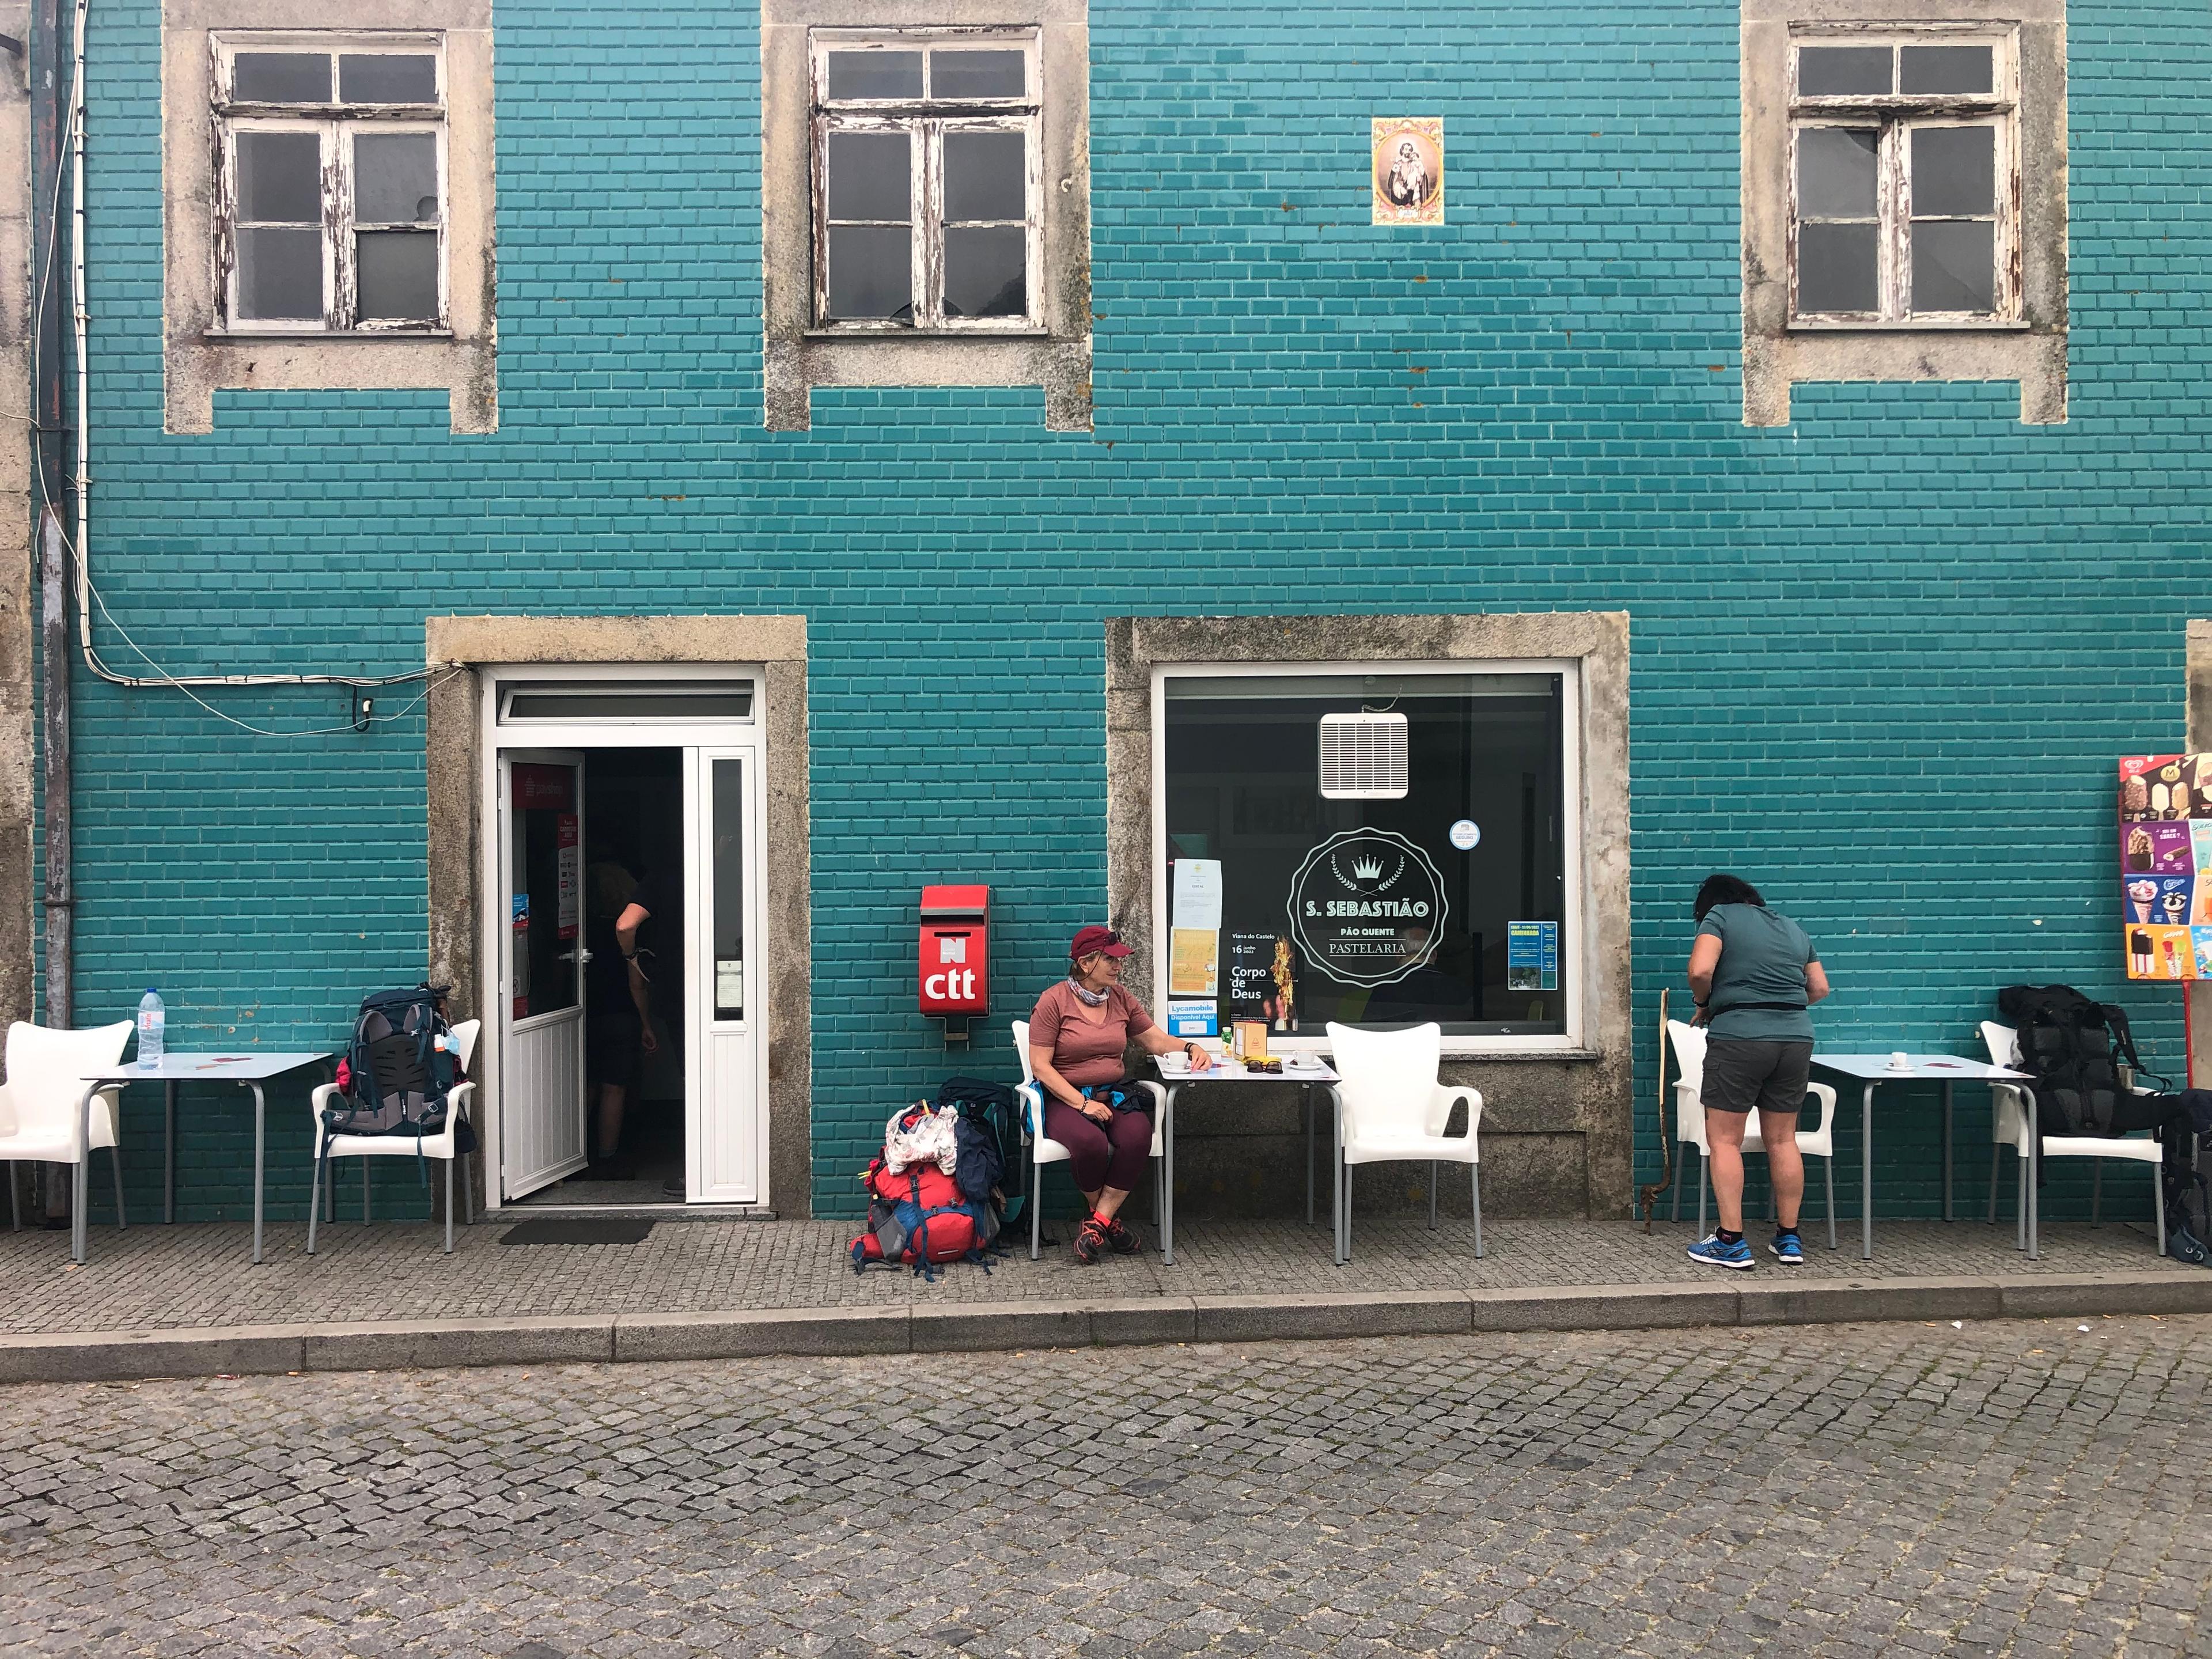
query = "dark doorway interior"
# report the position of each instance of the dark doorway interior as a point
(634, 1084)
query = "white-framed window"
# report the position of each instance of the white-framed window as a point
(331, 185)
(1905, 177)
(1379, 843)
(926, 180)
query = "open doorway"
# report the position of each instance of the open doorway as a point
(634, 1038)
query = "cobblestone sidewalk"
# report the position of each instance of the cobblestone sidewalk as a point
(187, 1277)
(2011, 1488)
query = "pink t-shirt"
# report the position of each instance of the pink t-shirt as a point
(1085, 1049)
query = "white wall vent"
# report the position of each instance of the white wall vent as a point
(1363, 756)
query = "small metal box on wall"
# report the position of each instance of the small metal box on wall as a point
(954, 961)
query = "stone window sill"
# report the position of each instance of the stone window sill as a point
(931, 335)
(1815, 327)
(232, 336)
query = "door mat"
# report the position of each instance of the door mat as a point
(576, 1230)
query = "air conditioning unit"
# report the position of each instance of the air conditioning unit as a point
(1363, 756)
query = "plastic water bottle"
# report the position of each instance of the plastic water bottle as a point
(150, 1022)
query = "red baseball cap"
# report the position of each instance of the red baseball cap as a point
(1095, 940)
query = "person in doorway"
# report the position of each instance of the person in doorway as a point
(617, 994)
(1080, 1031)
(1755, 974)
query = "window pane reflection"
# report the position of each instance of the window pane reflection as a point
(726, 860)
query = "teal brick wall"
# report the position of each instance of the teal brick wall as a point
(1882, 661)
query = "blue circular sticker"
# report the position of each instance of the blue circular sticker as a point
(1465, 835)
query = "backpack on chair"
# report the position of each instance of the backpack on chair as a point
(399, 1068)
(2072, 1048)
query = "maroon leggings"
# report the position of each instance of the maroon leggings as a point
(1100, 1154)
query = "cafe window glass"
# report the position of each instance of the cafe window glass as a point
(1377, 849)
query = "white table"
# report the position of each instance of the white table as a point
(1946, 1069)
(1225, 1070)
(248, 1071)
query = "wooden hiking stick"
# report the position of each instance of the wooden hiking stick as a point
(1651, 1194)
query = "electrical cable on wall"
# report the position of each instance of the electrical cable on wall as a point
(360, 715)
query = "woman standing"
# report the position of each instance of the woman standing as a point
(1079, 1034)
(1753, 974)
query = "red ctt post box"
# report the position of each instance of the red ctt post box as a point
(955, 963)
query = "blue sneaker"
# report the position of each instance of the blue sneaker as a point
(1714, 1254)
(1789, 1249)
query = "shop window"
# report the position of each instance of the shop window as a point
(1904, 171)
(331, 204)
(1376, 849)
(924, 162)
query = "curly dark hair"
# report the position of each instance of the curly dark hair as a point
(1725, 889)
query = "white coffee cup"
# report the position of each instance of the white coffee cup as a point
(1900, 1061)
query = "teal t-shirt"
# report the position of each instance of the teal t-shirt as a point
(1763, 957)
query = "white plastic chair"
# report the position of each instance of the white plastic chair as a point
(2011, 1126)
(1392, 1109)
(439, 1146)
(1044, 1150)
(1819, 1141)
(38, 1121)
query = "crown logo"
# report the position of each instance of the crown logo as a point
(1368, 869)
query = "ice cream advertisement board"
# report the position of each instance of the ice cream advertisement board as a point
(2165, 865)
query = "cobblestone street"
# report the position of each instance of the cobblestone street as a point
(2009, 1488)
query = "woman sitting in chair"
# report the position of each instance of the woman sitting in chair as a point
(1082, 1027)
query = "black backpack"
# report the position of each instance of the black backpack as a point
(2072, 1048)
(398, 1069)
(990, 1138)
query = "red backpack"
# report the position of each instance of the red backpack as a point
(918, 1216)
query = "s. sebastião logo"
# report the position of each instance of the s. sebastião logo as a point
(1366, 907)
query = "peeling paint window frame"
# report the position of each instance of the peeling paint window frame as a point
(338, 124)
(1895, 116)
(926, 121)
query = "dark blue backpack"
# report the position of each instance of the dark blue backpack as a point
(399, 1069)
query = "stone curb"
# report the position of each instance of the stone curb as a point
(119, 1356)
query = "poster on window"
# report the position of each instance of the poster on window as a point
(1262, 979)
(1192, 1017)
(2166, 864)
(1532, 956)
(568, 874)
(1406, 169)
(1197, 893)
(1194, 961)
(1366, 907)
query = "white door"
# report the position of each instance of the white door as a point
(725, 1131)
(542, 957)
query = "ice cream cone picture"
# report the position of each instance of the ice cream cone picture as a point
(2143, 898)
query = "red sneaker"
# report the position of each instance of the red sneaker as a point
(1091, 1242)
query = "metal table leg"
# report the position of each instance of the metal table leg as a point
(1947, 1151)
(1167, 1176)
(1866, 1172)
(169, 1153)
(1306, 1090)
(2035, 1175)
(260, 1122)
(80, 1183)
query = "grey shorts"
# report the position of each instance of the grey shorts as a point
(1746, 1072)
